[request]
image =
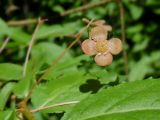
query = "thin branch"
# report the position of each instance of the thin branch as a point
(122, 20)
(4, 44)
(22, 22)
(78, 36)
(53, 106)
(74, 10)
(85, 7)
(30, 46)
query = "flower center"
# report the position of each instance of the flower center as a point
(101, 46)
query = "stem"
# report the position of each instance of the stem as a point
(30, 46)
(123, 37)
(25, 110)
(22, 22)
(55, 105)
(4, 44)
(85, 7)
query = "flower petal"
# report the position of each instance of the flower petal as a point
(115, 46)
(99, 22)
(98, 33)
(107, 27)
(104, 59)
(89, 47)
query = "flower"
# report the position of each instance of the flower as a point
(98, 45)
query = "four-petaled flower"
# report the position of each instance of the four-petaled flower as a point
(98, 45)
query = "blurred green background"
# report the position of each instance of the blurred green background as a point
(142, 27)
(141, 21)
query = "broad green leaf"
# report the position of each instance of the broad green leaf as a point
(9, 71)
(5, 93)
(131, 115)
(130, 100)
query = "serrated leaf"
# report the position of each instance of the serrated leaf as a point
(9, 71)
(138, 99)
(4, 94)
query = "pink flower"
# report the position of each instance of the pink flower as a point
(99, 46)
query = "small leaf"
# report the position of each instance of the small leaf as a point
(4, 28)
(136, 11)
(9, 71)
(4, 94)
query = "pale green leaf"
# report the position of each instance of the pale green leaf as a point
(4, 30)
(5, 93)
(63, 89)
(9, 71)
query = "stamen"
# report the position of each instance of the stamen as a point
(101, 46)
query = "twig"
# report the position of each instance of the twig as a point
(85, 7)
(123, 37)
(78, 36)
(30, 46)
(4, 44)
(55, 105)
(22, 22)
(74, 10)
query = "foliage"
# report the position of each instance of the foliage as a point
(100, 93)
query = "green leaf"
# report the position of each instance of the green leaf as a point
(4, 94)
(63, 89)
(57, 30)
(130, 100)
(6, 115)
(103, 75)
(141, 67)
(45, 52)
(136, 11)
(19, 36)
(4, 28)
(21, 89)
(9, 71)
